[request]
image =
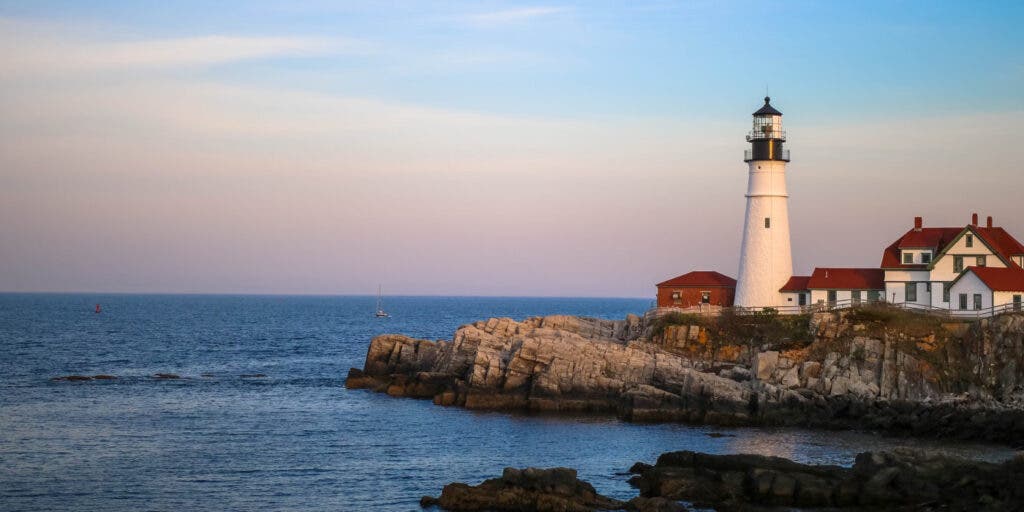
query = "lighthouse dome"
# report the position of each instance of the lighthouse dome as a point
(767, 109)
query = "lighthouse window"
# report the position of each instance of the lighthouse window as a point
(767, 222)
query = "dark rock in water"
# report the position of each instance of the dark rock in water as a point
(716, 435)
(72, 378)
(166, 376)
(252, 376)
(525, 490)
(207, 375)
(900, 479)
(104, 377)
(641, 504)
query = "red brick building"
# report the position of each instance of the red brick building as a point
(695, 289)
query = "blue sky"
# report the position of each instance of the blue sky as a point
(549, 148)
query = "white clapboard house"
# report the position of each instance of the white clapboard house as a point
(970, 268)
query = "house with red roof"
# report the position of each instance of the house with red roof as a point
(835, 285)
(921, 266)
(699, 289)
(982, 288)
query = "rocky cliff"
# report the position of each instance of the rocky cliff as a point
(876, 369)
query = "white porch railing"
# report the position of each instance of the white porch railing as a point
(705, 309)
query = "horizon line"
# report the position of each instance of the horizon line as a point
(237, 294)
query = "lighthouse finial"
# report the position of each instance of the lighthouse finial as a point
(767, 99)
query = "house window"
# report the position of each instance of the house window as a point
(970, 240)
(977, 301)
(928, 287)
(705, 297)
(873, 295)
(1016, 302)
(767, 222)
(803, 299)
(926, 257)
(963, 300)
(676, 297)
(855, 297)
(981, 261)
(832, 297)
(908, 257)
(958, 263)
(910, 294)
(945, 292)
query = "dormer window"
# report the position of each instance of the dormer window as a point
(908, 258)
(926, 257)
(969, 240)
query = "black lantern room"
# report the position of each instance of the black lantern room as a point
(767, 137)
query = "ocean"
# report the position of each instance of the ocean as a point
(293, 438)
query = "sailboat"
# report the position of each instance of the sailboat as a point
(380, 310)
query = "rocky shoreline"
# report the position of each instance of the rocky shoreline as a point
(848, 371)
(895, 480)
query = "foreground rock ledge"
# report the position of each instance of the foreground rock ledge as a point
(846, 375)
(539, 490)
(896, 480)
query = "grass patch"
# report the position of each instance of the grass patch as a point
(881, 316)
(675, 318)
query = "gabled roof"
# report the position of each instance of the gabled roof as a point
(701, 278)
(767, 109)
(796, 284)
(1008, 279)
(997, 239)
(923, 238)
(847, 279)
(1000, 241)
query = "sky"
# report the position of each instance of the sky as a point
(485, 147)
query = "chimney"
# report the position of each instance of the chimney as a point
(918, 222)
(974, 219)
(988, 222)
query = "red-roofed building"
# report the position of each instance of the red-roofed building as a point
(846, 284)
(795, 292)
(921, 265)
(831, 285)
(980, 288)
(696, 289)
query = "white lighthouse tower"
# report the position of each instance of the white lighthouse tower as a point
(766, 262)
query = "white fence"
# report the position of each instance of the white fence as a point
(706, 309)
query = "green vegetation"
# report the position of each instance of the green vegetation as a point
(676, 318)
(752, 329)
(881, 316)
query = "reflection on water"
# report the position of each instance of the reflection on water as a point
(296, 439)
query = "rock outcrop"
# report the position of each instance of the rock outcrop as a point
(848, 371)
(530, 489)
(897, 480)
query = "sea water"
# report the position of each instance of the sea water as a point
(223, 438)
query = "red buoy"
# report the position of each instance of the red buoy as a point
(97, 308)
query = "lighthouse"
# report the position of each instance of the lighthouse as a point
(766, 262)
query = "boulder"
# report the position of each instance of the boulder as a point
(525, 490)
